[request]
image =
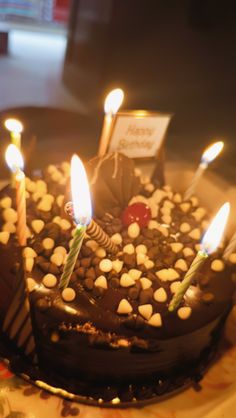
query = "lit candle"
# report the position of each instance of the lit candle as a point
(207, 157)
(230, 247)
(15, 127)
(112, 103)
(15, 163)
(209, 244)
(82, 216)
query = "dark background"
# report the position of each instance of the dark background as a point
(168, 55)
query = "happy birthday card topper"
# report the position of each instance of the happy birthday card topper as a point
(138, 134)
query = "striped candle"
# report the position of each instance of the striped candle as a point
(72, 256)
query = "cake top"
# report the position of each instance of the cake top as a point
(127, 294)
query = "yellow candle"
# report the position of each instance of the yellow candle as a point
(112, 103)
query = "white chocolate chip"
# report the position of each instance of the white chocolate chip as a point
(31, 284)
(145, 283)
(199, 214)
(9, 227)
(93, 245)
(41, 185)
(149, 187)
(155, 320)
(116, 238)
(44, 205)
(134, 230)
(126, 280)
(153, 224)
(174, 286)
(29, 264)
(60, 200)
(101, 281)
(184, 227)
(198, 247)
(184, 312)
(4, 237)
(204, 224)
(184, 207)
(168, 204)
(51, 168)
(167, 274)
(149, 264)
(177, 198)
(166, 219)
(37, 225)
(124, 307)
(165, 210)
(160, 295)
(10, 215)
(153, 207)
(49, 280)
(217, 265)
(57, 220)
(29, 252)
(187, 252)
(146, 310)
(55, 337)
(195, 234)
(68, 294)
(128, 249)
(56, 176)
(60, 250)
(57, 259)
(100, 252)
(194, 200)
(141, 258)
(117, 265)
(176, 247)
(6, 202)
(65, 167)
(135, 274)
(65, 224)
(48, 243)
(158, 195)
(232, 258)
(105, 265)
(141, 249)
(181, 264)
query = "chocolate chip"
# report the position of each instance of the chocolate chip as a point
(148, 233)
(98, 271)
(38, 247)
(133, 293)
(44, 266)
(98, 291)
(169, 259)
(203, 280)
(47, 253)
(53, 269)
(139, 240)
(114, 282)
(127, 240)
(129, 260)
(86, 262)
(153, 252)
(145, 296)
(207, 297)
(77, 264)
(80, 272)
(52, 230)
(88, 283)
(151, 276)
(90, 273)
(95, 261)
(148, 243)
(86, 251)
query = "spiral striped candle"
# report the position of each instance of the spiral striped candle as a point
(97, 233)
(72, 256)
(191, 189)
(21, 207)
(230, 247)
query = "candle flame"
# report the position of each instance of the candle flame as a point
(80, 192)
(14, 125)
(14, 158)
(113, 101)
(214, 233)
(212, 152)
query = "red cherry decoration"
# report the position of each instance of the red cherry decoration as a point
(138, 212)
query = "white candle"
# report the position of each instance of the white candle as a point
(230, 247)
(112, 104)
(15, 162)
(207, 157)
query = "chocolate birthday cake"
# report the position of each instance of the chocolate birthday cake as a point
(111, 327)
